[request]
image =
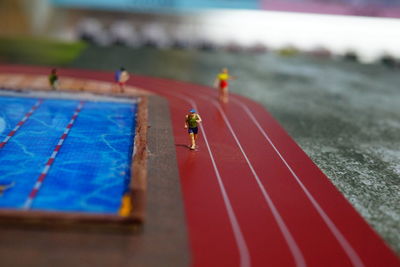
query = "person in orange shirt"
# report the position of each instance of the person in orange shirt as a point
(221, 82)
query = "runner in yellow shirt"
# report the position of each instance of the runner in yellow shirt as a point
(221, 82)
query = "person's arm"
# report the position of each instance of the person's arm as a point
(124, 76)
(198, 118)
(216, 82)
(186, 123)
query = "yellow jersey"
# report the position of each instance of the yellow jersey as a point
(223, 76)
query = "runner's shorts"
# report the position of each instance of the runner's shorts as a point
(193, 130)
(223, 84)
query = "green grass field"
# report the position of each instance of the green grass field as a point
(26, 50)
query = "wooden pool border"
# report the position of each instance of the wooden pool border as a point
(137, 188)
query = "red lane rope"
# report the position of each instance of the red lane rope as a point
(21, 122)
(39, 182)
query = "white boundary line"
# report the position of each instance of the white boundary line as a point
(349, 250)
(294, 248)
(240, 241)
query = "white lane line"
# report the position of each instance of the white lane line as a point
(53, 155)
(245, 260)
(349, 250)
(46, 169)
(293, 246)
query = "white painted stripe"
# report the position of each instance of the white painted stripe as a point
(294, 248)
(244, 254)
(53, 155)
(37, 185)
(15, 128)
(27, 204)
(6, 139)
(46, 169)
(60, 142)
(351, 253)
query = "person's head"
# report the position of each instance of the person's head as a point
(225, 70)
(54, 71)
(122, 69)
(192, 111)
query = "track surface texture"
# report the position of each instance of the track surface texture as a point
(252, 197)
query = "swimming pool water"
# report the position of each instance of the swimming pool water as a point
(92, 168)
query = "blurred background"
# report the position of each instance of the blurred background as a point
(358, 28)
(328, 70)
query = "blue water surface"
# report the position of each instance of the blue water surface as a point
(91, 170)
(12, 110)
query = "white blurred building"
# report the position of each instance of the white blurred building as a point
(369, 37)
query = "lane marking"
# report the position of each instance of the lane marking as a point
(244, 254)
(349, 250)
(21, 122)
(294, 248)
(29, 201)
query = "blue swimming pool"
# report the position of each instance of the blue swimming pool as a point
(88, 172)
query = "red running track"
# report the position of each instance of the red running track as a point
(252, 197)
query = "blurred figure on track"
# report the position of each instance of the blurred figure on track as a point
(192, 121)
(121, 77)
(221, 83)
(53, 79)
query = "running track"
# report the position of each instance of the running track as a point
(252, 197)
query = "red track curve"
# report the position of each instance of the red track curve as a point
(252, 196)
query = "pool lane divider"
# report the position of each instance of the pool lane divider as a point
(21, 122)
(29, 201)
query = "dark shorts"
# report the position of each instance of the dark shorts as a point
(193, 130)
